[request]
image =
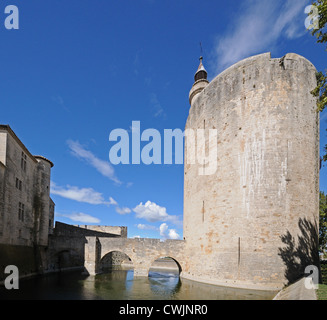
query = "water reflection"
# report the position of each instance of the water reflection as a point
(164, 284)
(118, 284)
(193, 290)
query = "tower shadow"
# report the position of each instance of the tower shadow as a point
(299, 253)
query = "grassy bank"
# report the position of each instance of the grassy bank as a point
(322, 290)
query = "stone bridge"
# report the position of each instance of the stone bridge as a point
(142, 252)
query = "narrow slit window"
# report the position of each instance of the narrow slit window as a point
(23, 161)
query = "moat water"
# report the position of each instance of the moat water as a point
(118, 284)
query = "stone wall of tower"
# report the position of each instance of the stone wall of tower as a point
(254, 222)
(42, 201)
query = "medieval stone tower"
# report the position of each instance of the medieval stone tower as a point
(254, 222)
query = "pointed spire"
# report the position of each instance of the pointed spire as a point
(201, 72)
(200, 81)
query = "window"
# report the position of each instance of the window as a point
(23, 161)
(18, 184)
(21, 211)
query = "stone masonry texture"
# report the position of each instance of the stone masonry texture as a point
(253, 223)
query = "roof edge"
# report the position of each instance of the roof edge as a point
(7, 128)
(45, 159)
(13, 134)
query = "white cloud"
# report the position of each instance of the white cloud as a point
(123, 210)
(167, 233)
(163, 229)
(112, 201)
(101, 166)
(80, 217)
(152, 212)
(87, 195)
(146, 227)
(173, 234)
(258, 27)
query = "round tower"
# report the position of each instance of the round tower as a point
(253, 223)
(42, 201)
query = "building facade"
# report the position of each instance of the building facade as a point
(26, 209)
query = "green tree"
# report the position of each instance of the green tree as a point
(322, 222)
(320, 31)
(321, 34)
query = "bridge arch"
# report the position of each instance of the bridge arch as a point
(114, 258)
(165, 262)
(142, 252)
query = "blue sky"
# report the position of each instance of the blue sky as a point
(76, 70)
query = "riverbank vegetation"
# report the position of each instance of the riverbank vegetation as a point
(322, 289)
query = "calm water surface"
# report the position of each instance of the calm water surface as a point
(118, 284)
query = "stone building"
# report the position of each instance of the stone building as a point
(253, 222)
(26, 209)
